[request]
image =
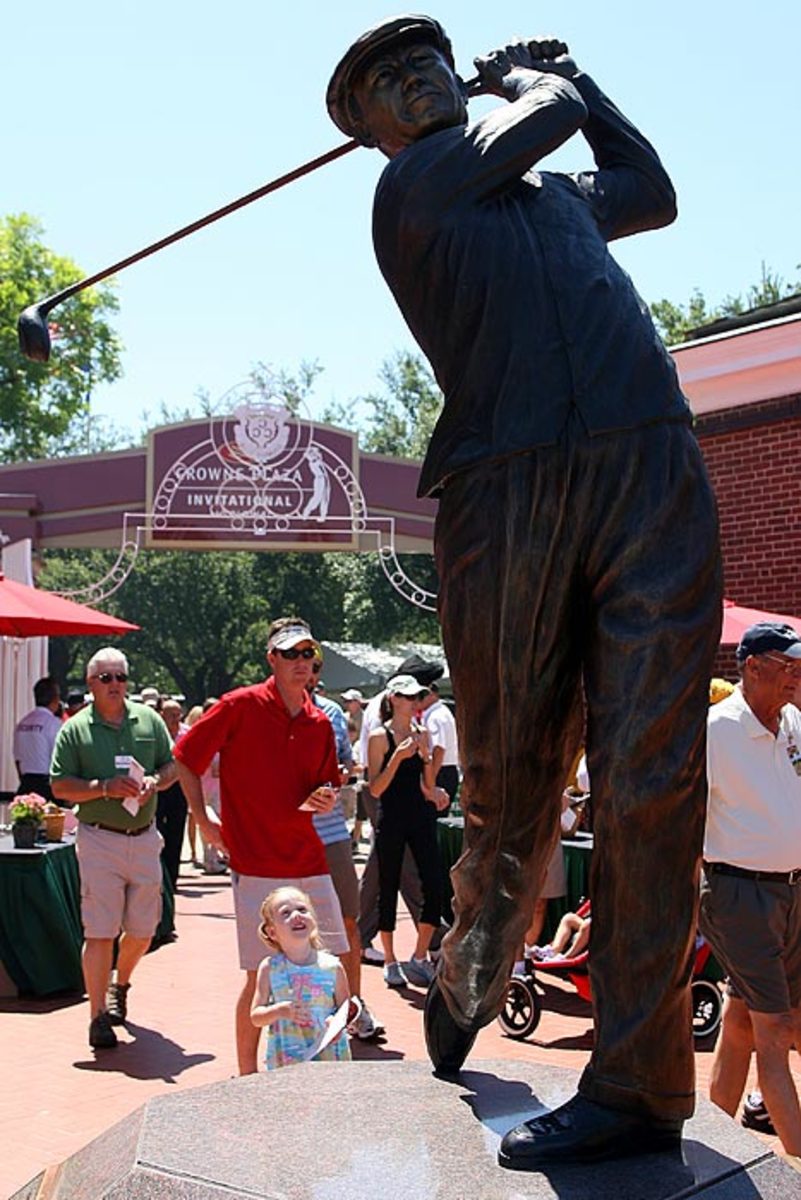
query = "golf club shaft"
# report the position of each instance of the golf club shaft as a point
(306, 168)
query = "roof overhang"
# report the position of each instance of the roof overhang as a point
(741, 366)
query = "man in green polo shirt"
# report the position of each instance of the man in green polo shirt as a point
(110, 759)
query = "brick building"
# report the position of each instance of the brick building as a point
(742, 376)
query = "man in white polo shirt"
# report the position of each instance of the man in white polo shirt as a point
(441, 725)
(751, 886)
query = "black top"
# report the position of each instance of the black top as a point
(404, 795)
(505, 280)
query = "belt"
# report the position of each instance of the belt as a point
(719, 868)
(113, 828)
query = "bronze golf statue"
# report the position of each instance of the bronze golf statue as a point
(576, 544)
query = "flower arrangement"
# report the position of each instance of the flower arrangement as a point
(28, 809)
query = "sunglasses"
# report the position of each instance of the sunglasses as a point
(293, 652)
(789, 667)
(107, 676)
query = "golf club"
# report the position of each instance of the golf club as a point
(34, 336)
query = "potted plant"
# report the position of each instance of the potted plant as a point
(53, 821)
(26, 814)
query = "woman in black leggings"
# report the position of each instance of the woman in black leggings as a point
(402, 775)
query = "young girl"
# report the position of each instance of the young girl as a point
(299, 985)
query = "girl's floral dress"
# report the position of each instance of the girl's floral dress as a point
(312, 985)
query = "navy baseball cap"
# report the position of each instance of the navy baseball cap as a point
(769, 635)
(407, 28)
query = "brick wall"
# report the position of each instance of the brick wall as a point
(753, 455)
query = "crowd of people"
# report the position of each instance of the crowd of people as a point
(265, 784)
(276, 779)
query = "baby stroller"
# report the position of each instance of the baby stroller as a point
(522, 1008)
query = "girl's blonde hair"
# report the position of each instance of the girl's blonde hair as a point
(267, 914)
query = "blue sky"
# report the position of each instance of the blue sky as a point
(126, 121)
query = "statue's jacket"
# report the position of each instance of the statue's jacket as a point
(504, 276)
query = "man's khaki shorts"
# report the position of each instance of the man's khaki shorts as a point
(754, 929)
(251, 890)
(120, 882)
(339, 856)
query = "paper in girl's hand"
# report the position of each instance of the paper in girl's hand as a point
(335, 1025)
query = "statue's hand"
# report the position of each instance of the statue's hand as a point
(542, 54)
(552, 55)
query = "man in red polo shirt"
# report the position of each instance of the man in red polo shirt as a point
(277, 753)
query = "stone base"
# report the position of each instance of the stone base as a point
(352, 1131)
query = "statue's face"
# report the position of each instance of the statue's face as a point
(407, 92)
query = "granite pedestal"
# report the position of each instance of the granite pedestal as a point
(349, 1131)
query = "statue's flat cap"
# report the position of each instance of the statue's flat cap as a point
(393, 30)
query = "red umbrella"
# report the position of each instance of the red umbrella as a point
(32, 612)
(737, 619)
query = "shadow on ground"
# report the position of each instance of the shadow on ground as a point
(148, 1055)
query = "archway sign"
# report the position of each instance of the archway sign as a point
(259, 478)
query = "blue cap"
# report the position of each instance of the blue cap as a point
(769, 635)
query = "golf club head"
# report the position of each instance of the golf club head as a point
(34, 336)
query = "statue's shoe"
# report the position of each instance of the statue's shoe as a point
(582, 1131)
(447, 1043)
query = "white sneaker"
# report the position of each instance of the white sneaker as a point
(420, 971)
(541, 953)
(371, 955)
(394, 976)
(365, 1026)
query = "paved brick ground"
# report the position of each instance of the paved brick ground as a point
(58, 1094)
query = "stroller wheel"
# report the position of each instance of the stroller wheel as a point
(522, 1009)
(707, 1005)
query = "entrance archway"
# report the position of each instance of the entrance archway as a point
(258, 478)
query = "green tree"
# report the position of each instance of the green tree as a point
(373, 611)
(203, 621)
(677, 322)
(71, 570)
(45, 407)
(203, 616)
(401, 418)
(306, 585)
(398, 420)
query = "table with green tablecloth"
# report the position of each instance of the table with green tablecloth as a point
(577, 851)
(40, 916)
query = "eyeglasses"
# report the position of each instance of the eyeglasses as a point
(293, 652)
(107, 676)
(791, 667)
